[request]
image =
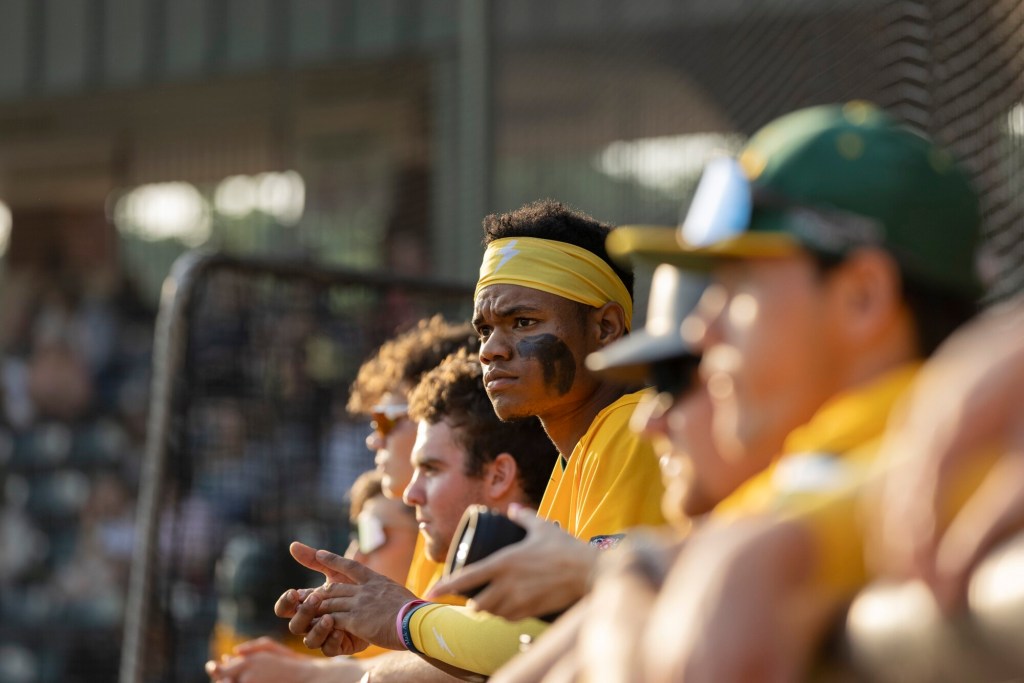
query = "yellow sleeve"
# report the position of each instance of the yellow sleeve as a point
(474, 641)
(833, 520)
(619, 481)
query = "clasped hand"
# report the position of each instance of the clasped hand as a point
(355, 606)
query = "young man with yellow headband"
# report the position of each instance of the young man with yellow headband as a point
(548, 296)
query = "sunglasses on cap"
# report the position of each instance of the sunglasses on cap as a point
(384, 418)
(722, 211)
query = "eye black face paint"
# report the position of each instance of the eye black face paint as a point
(555, 358)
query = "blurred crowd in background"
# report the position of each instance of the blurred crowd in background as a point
(75, 383)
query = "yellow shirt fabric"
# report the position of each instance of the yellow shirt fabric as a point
(611, 483)
(423, 572)
(225, 639)
(818, 476)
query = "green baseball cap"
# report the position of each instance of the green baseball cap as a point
(831, 179)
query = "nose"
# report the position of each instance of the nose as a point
(495, 347)
(413, 494)
(374, 441)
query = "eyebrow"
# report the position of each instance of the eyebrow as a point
(427, 460)
(508, 312)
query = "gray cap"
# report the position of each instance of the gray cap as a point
(673, 295)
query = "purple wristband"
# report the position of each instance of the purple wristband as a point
(401, 616)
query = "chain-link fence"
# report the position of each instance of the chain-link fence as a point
(249, 446)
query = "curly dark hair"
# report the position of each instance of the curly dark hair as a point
(454, 392)
(551, 220)
(401, 361)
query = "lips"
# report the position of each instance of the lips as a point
(497, 379)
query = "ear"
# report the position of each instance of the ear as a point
(868, 292)
(501, 478)
(610, 323)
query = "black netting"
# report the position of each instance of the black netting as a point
(667, 75)
(257, 449)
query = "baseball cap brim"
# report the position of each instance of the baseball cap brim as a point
(627, 360)
(662, 244)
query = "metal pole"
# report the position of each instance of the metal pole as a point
(475, 134)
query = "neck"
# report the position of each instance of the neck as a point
(515, 495)
(895, 348)
(566, 427)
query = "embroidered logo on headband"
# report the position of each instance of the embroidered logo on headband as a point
(555, 267)
(507, 252)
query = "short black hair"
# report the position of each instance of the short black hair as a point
(551, 220)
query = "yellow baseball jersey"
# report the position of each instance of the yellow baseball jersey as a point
(423, 572)
(611, 481)
(817, 478)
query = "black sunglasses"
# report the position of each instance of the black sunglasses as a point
(674, 376)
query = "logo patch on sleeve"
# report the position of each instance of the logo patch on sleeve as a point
(606, 542)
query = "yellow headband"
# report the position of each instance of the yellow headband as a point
(555, 267)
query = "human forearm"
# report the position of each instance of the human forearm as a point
(741, 603)
(401, 667)
(559, 642)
